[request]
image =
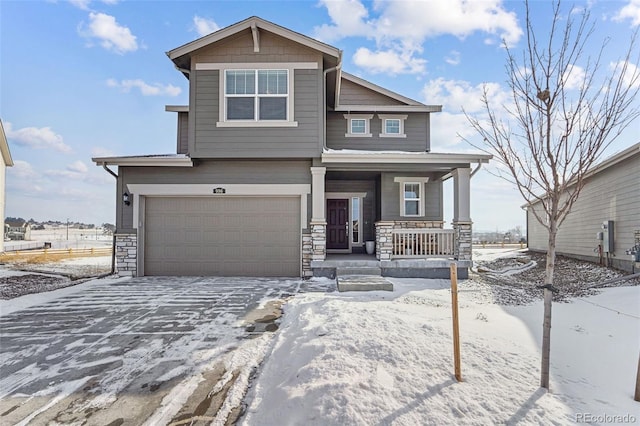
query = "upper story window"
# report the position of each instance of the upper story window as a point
(358, 125)
(256, 95)
(392, 126)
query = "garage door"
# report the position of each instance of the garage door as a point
(230, 236)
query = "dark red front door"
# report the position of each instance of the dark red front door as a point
(337, 224)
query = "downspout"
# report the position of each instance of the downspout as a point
(113, 243)
(476, 170)
(111, 172)
(324, 98)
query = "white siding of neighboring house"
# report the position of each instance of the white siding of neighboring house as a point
(610, 194)
(3, 170)
(5, 161)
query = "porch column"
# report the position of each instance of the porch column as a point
(318, 220)
(317, 194)
(461, 195)
(461, 212)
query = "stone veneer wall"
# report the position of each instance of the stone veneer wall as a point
(463, 238)
(126, 255)
(318, 240)
(307, 253)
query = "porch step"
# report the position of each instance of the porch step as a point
(358, 270)
(363, 283)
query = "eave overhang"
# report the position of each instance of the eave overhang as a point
(397, 157)
(145, 161)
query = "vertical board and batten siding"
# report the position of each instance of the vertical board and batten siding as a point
(612, 194)
(390, 208)
(416, 127)
(211, 172)
(355, 94)
(209, 141)
(183, 133)
(368, 203)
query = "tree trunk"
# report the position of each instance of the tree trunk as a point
(546, 324)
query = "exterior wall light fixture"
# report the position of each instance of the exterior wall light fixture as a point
(125, 199)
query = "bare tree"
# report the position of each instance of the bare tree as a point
(558, 122)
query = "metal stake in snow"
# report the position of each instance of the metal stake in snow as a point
(637, 395)
(456, 331)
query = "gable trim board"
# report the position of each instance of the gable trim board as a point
(254, 24)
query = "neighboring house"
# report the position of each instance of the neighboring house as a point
(609, 199)
(282, 159)
(17, 230)
(7, 161)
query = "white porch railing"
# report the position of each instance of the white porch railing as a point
(422, 242)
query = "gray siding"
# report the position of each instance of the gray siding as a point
(612, 194)
(210, 172)
(390, 208)
(416, 129)
(211, 141)
(183, 133)
(368, 203)
(354, 94)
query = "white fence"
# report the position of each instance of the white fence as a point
(422, 243)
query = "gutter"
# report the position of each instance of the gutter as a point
(111, 172)
(324, 97)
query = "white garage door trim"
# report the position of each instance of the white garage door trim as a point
(186, 190)
(139, 192)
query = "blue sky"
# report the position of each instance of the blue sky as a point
(89, 78)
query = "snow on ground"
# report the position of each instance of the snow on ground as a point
(387, 358)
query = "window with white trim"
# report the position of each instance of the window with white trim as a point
(256, 95)
(392, 125)
(412, 199)
(358, 125)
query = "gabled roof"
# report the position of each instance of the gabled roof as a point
(410, 105)
(606, 164)
(180, 55)
(4, 147)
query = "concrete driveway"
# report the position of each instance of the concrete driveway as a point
(154, 350)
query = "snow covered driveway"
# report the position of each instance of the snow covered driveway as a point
(126, 351)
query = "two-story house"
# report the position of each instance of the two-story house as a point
(283, 160)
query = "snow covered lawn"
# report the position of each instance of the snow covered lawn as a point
(387, 358)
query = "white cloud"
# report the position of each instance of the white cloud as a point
(99, 151)
(453, 58)
(155, 89)
(630, 11)
(389, 61)
(631, 75)
(22, 170)
(78, 167)
(574, 77)
(348, 17)
(204, 26)
(37, 138)
(81, 4)
(402, 27)
(112, 35)
(457, 94)
(84, 4)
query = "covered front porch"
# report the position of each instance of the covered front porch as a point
(384, 212)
